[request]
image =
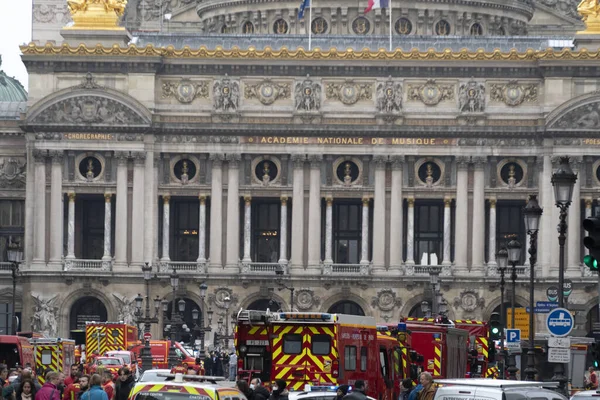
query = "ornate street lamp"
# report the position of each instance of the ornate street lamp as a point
(514, 256)
(563, 181)
(14, 254)
(145, 318)
(501, 262)
(532, 215)
(425, 308)
(199, 328)
(174, 286)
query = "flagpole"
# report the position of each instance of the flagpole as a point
(310, 25)
(390, 12)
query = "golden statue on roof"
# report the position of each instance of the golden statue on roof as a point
(590, 13)
(96, 14)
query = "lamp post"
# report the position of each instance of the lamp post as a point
(425, 309)
(563, 181)
(532, 213)
(434, 279)
(146, 319)
(501, 261)
(279, 272)
(14, 254)
(199, 328)
(514, 256)
(174, 318)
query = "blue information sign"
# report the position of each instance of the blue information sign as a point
(559, 322)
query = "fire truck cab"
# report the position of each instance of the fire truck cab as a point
(101, 337)
(54, 354)
(479, 342)
(317, 349)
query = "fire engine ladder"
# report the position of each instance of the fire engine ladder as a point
(253, 316)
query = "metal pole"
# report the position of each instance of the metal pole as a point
(530, 371)
(503, 317)
(172, 354)
(559, 368)
(146, 355)
(227, 328)
(512, 368)
(292, 299)
(14, 301)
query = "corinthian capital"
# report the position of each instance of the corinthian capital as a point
(234, 159)
(397, 161)
(217, 159)
(57, 156)
(380, 161)
(315, 160)
(462, 162)
(298, 160)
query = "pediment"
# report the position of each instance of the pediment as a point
(582, 113)
(555, 12)
(89, 105)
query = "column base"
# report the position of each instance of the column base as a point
(55, 265)
(232, 268)
(573, 271)
(395, 270)
(446, 262)
(295, 267)
(379, 270)
(121, 266)
(215, 268)
(313, 269)
(38, 265)
(410, 263)
(461, 270)
(107, 258)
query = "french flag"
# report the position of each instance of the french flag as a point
(377, 4)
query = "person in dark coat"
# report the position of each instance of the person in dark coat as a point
(244, 388)
(279, 391)
(341, 391)
(260, 392)
(358, 392)
(208, 365)
(125, 384)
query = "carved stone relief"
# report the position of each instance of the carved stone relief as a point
(45, 314)
(154, 9)
(196, 139)
(430, 93)
(89, 109)
(12, 173)
(513, 94)
(471, 97)
(126, 309)
(226, 95)
(386, 300)
(348, 92)
(584, 117)
(389, 97)
(306, 299)
(51, 13)
(185, 91)
(267, 91)
(564, 7)
(307, 95)
(469, 300)
(220, 294)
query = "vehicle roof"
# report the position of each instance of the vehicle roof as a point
(311, 394)
(587, 393)
(494, 383)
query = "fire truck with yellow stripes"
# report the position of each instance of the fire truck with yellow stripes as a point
(318, 349)
(52, 355)
(101, 337)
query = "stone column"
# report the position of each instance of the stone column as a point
(314, 213)
(364, 243)
(446, 254)
(56, 207)
(71, 228)
(137, 210)
(166, 228)
(29, 209)
(232, 254)
(107, 227)
(588, 214)
(202, 230)
(39, 255)
(216, 216)
(283, 234)
(478, 244)
(121, 211)
(247, 228)
(149, 199)
(462, 214)
(379, 215)
(297, 260)
(396, 242)
(574, 223)
(410, 231)
(328, 230)
(492, 235)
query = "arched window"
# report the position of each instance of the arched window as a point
(418, 312)
(86, 309)
(188, 320)
(346, 307)
(476, 29)
(263, 304)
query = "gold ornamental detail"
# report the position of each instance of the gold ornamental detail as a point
(590, 14)
(513, 93)
(96, 14)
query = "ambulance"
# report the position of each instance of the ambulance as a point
(317, 349)
(15, 350)
(54, 354)
(101, 337)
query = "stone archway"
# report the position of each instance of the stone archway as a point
(346, 307)
(345, 297)
(184, 334)
(277, 302)
(264, 304)
(64, 317)
(85, 309)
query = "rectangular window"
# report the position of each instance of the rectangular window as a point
(321, 345)
(363, 358)
(46, 357)
(265, 230)
(510, 225)
(383, 361)
(292, 344)
(429, 232)
(347, 232)
(350, 358)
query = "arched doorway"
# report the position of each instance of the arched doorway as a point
(86, 309)
(346, 307)
(185, 335)
(264, 304)
(417, 311)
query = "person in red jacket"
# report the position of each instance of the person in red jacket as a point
(74, 375)
(108, 385)
(73, 391)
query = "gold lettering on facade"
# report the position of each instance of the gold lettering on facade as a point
(593, 142)
(89, 136)
(355, 141)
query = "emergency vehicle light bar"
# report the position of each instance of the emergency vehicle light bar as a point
(305, 316)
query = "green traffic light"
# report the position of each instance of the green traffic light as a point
(495, 330)
(591, 262)
(595, 363)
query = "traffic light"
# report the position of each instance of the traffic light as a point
(495, 326)
(592, 243)
(596, 354)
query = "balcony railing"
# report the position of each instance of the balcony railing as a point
(78, 264)
(346, 269)
(5, 266)
(252, 267)
(183, 266)
(424, 270)
(522, 270)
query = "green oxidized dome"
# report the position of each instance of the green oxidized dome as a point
(11, 89)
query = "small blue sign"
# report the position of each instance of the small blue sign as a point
(559, 322)
(546, 304)
(513, 335)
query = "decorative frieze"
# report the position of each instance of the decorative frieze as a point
(471, 97)
(513, 94)
(348, 92)
(307, 95)
(12, 173)
(430, 93)
(267, 91)
(185, 91)
(196, 139)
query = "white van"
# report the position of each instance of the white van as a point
(495, 389)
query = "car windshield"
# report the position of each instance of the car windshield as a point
(109, 361)
(153, 376)
(125, 357)
(169, 396)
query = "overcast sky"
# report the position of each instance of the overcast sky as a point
(15, 29)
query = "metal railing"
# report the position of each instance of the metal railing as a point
(86, 265)
(182, 266)
(346, 269)
(259, 267)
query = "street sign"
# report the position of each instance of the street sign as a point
(513, 335)
(559, 322)
(552, 293)
(147, 336)
(521, 320)
(558, 355)
(567, 287)
(543, 307)
(561, 342)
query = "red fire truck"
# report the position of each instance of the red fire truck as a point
(318, 349)
(479, 342)
(101, 337)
